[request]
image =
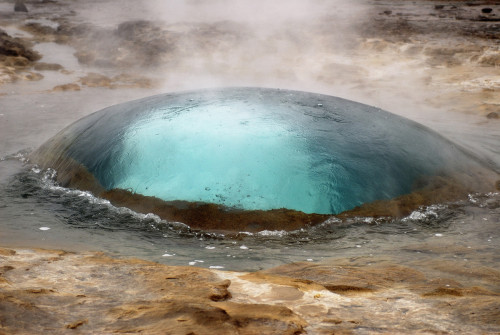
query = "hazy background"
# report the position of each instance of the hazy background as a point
(406, 57)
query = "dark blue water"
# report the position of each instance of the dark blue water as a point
(465, 232)
(257, 149)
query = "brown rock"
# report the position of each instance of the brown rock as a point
(96, 294)
(492, 59)
(493, 115)
(85, 56)
(19, 6)
(47, 67)
(76, 324)
(11, 46)
(39, 29)
(212, 216)
(367, 293)
(7, 252)
(66, 87)
(345, 279)
(17, 62)
(32, 76)
(96, 80)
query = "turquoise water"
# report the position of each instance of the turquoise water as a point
(36, 212)
(230, 155)
(30, 199)
(258, 149)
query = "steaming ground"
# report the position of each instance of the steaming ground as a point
(434, 65)
(436, 62)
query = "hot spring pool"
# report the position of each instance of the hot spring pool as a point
(252, 158)
(463, 231)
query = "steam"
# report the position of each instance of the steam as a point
(327, 46)
(260, 43)
(294, 44)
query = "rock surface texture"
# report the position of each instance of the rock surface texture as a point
(44, 291)
(436, 57)
(54, 292)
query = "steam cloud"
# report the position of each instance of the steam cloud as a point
(294, 44)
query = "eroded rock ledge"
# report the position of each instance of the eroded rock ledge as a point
(57, 292)
(45, 292)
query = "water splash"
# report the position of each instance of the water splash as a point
(251, 149)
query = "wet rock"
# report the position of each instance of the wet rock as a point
(93, 293)
(11, 46)
(366, 293)
(19, 6)
(40, 32)
(66, 87)
(132, 81)
(214, 217)
(438, 7)
(85, 56)
(71, 33)
(31, 76)
(96, 80)
(120, 81)
(131, 44)
(493, 115)
(490, 59)
(136, 30)
(487, 10)
(47, 67)
(347, 280)
(17, 62)
(7, 252)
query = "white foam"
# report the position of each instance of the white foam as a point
(278, 233)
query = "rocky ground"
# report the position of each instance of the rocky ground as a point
(446, 47)
(444, 55)
(57, 292)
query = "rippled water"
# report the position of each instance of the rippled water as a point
(35, 211)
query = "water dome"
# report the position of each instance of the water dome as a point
(250, 158)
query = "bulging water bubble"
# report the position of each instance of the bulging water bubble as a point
(252, 159)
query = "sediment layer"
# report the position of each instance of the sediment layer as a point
(47, 291)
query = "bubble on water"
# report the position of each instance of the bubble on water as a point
(44, 228)
(216, 267)
(168, 255)
(277, 233)
(438, 235)
(472, 199)
(416, 215)
(244, 247)
(209, 247)
(429, 212)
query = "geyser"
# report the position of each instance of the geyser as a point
(251, 157)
